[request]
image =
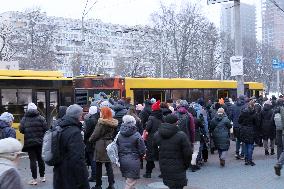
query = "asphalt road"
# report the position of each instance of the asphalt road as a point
(234, 176)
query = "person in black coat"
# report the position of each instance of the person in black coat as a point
(120, 111)
(145, 113)
(91, 120)
(33, 126)
(165, 109)
(72, 172)
(248, 128)
(174, 153)
(6, 121)
(152, 126)
(258, 135)
(268, 128)
(131, 148)
(61, 113)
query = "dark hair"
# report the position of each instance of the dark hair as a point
(164, 105)
(169, 100)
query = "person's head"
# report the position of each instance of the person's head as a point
(129, 120)
(221, 111)
(183, 103)
(171, 119)
(280, 102)
(132, 110)
(61, 111)
(153, 100)
(164, 105)
(93, 110)
(75, 111)
(32, 106)
(139, 107)
(156, 106)
(7, 117)
(251, 104)
(169, 101)
(10, 149)
(105, 113)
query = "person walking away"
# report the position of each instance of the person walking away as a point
(102, 137)
(60, 115)
(236, 111)
(33, 126)
(228, 108)
(165, 109)
(10, 151)
(154, 122)
(268, 127)
(91, 120)
(71, 172)
(279, 123)
(174, 151)
(120, 111)
(170, 104)
(145, 113)
(131, 148)
(258, 135)
(248, 126)
(139, 108)
(220, 128)
(6, 130)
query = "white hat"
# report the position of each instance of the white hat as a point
(93, 110)
(32, 106)
(7, 117)
(129, 119)
(10, 148)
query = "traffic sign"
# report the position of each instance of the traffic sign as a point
(209, 2)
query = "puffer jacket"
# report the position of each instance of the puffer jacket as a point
(90, 124)
(120, 111)
(102, 137)
(7, 130)
(174, 155)
(248, 126)
(131, 148)
(166, 111)
(152, 127)
(186, 123)
(33, 126)
(236, 111)
(72, 172)
(220, 128)
(268, 128)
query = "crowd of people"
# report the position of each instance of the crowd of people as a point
(177, 134)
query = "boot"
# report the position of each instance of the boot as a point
(246, 161)
(237, 156)
(266, 152)
(147, 175)
(195, 168)
(251, 163)
(92, 179)
(277, 169)
(96, 187)
(222, 163)
(272, 152)
(212, 150)
(110, 187)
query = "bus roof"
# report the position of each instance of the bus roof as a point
(31, 73)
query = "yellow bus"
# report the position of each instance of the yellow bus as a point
(47, 89)
(140, 89)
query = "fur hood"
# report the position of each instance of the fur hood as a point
(108, 122)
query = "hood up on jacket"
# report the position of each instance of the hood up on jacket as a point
(128, 129)
(3, 124)
(108, 122)
(219, 117)
(118, 107)
(168, 130)
(182, 110)
(157, 114)
(166, 111)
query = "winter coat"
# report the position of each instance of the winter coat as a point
(186, 123)
(7, 130)
(72, 173)
(236, 112)
(102, 137)
(131, 148)
(120, 111)
(268, 128)
(144, 115)
(152, 127)
(9, 175)
(220, 128)
(174, 155)
(228, 108)
(166, 111)
(60, 115)
(248, 126)
(33, 126)
(90, 124)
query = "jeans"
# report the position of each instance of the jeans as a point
(222, 154)
(279, 139)
(99, 173)
(35, 156)
(150, 165)
(265, 144)
(239, 146)
(249, 151)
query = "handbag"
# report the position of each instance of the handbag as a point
(112, 151)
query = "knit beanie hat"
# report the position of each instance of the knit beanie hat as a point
(32, 106)
(153, 100)
(183, 103)
(221, 111)
(139, 107)
(93, 110)
(10, 148)
(7, 117)
(171, 118)
(156, 106)
(128, 119)
(74, 111)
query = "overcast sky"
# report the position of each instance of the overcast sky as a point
(129, 12)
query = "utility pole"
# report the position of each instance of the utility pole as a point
(238, 44)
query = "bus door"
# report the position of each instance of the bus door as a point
(157, 94)
(47, 104)
(222, 93)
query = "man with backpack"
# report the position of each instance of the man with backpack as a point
(279, 123)
(71, 171)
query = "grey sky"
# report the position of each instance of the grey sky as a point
(129, 12)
